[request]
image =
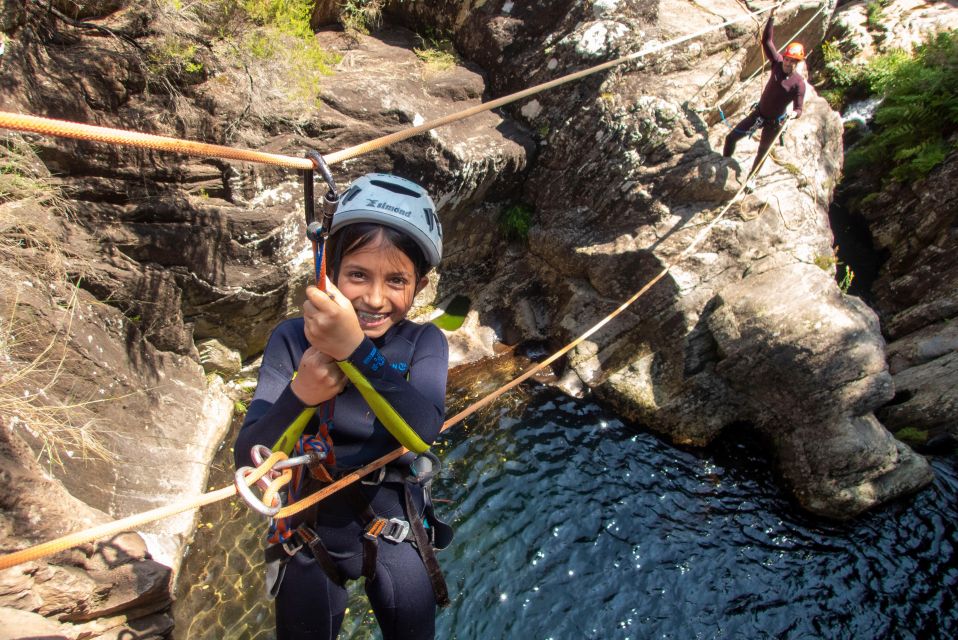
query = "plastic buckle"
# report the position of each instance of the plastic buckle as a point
(394, 530)
(374, 478)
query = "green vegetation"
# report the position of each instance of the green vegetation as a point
(454, 315)
(846, 282)
(240, 408)
(176, 59)
(437, 52)
(874, 15)
(276, 34)
(515, 222)
(846, 81)
(911, 436)
(915, 124)
(359, 16)
(287, 16)
(829, 263)
(826, 262)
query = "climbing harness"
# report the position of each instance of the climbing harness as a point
(47, 126)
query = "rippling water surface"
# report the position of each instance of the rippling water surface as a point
(572, 524)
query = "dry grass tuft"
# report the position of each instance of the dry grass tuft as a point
(31, 372)
(31, 359)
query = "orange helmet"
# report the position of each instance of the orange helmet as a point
(795, 51)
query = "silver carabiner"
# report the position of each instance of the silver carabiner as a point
(247, 494)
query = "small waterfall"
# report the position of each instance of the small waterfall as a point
(861, 111)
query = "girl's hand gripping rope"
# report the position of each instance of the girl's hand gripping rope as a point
(331, 323)
(318, 378)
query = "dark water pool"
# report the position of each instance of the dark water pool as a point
(572, 524)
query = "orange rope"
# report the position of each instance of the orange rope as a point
(131, 523)
(66, 129)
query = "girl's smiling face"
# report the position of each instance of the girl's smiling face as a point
(380, 282)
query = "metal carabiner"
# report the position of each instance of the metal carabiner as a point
(247, 494)
(331, 198)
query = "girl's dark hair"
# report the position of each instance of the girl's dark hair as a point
(353, 237)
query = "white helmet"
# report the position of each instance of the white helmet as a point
(394, 202)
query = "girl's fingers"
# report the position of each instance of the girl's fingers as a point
(336, 295)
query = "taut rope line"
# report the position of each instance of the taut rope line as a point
(65, 129)
(131, 523)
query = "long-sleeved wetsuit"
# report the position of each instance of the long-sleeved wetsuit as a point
(780, 90)
(407, 366)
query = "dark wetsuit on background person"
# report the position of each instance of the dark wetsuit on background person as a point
(411, 376)
(781, 89)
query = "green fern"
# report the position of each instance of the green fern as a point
(918, 115)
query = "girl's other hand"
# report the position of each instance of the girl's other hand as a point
(330, 322)
(318, 378)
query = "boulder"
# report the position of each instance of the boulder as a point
(788, 339)
(93, 583)
(865, 30)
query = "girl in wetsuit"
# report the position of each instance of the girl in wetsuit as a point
(385, 237)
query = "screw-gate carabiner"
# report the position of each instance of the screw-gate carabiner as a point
(318, 231)
(272, 481)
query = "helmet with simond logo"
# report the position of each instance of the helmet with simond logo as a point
(395, 202)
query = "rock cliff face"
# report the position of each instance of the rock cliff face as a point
(914, 227)
(917, 296)
(747, 328)
(622, 171)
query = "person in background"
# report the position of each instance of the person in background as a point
(785, 86)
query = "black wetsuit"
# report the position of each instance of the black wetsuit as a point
(408, 367)
(780, 90)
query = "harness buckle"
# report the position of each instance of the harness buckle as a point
(394, 530)
(290, 548)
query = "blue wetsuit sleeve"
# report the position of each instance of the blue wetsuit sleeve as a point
(768, 42)
(420, 400)
(274, 407)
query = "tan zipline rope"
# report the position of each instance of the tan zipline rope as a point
(65, 129)
(159, 142)
(132, 522)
